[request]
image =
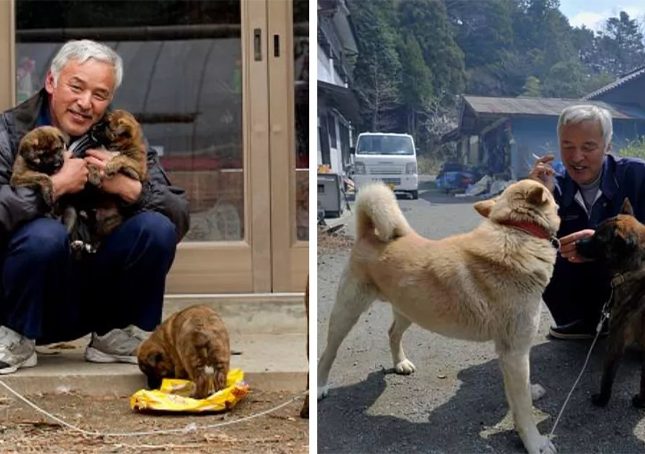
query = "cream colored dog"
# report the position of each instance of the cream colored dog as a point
(483, 285)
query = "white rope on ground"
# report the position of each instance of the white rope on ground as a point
(603, 317)
(189, 428)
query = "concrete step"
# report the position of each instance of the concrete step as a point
(279, 313)
(268, 330)
(271, 362)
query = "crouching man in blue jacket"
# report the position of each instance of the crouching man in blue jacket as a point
(591, 190)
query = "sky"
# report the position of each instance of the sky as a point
(593, 13)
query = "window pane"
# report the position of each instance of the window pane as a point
(182, 80)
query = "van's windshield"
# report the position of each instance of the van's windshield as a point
(395, 145)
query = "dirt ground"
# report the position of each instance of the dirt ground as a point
(24, 430)
(332, 242)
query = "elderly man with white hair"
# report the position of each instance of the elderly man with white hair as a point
(591, 190)
(46, 294)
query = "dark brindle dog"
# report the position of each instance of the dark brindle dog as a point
(619, 242)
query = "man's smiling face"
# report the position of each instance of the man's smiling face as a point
(583, 150)
(81, 95)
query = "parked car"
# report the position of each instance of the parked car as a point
(454, 176)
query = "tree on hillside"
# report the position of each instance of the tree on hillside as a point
(428, 21)
(532, 87)
(416, 80)
(619, 46)
(484, 32)
(565, 79)
(542, 36)
(378, 69)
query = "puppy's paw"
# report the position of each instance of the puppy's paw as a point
(94, 176)
(599, 400)
(405, 367)
(323, 391)
(537, 391)
(638, 401)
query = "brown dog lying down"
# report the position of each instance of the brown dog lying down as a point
(192, 343)
(40, 155)
(619, 242)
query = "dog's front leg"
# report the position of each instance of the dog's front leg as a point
(638, 400)
(615, 350)
(515, 368)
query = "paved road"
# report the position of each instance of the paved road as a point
(455, 402)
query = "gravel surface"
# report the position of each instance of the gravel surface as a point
(454, 402)
(23, 430)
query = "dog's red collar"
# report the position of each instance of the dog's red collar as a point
(535, 230)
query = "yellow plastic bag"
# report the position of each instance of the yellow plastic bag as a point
(173, 396)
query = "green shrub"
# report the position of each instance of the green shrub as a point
(634, 148)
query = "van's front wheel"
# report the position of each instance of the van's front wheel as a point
(414, 195)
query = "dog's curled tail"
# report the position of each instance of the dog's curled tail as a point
(378, 213)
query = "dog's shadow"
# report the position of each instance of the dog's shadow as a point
(475, 419)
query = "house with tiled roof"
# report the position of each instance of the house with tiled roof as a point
(503, 135)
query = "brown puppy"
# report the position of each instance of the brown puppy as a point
(118, 132)
(40, 155)
(619, 242)
(192, 343)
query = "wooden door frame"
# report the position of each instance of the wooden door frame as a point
(290, 255)
(243, 266)
(7, 54)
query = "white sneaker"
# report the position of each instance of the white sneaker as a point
(116, 346)
(16, 351)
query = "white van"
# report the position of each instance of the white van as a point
(387, 157)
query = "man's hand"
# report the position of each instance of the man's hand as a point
(71, 178)
(125, 187)
(568, 245)
(543, 172)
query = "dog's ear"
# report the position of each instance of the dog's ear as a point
(627, 207)
(484, 207)
(537, 195)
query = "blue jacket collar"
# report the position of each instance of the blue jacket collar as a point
(608, 183)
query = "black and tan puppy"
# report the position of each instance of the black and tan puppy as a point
(192, 343)
(619, 242)
(40, 155)
(119, 132)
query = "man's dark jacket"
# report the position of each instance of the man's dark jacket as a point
(578, 290)
(21, 205)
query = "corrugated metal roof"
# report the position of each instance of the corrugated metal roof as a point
(544, 106)
(633, 75)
